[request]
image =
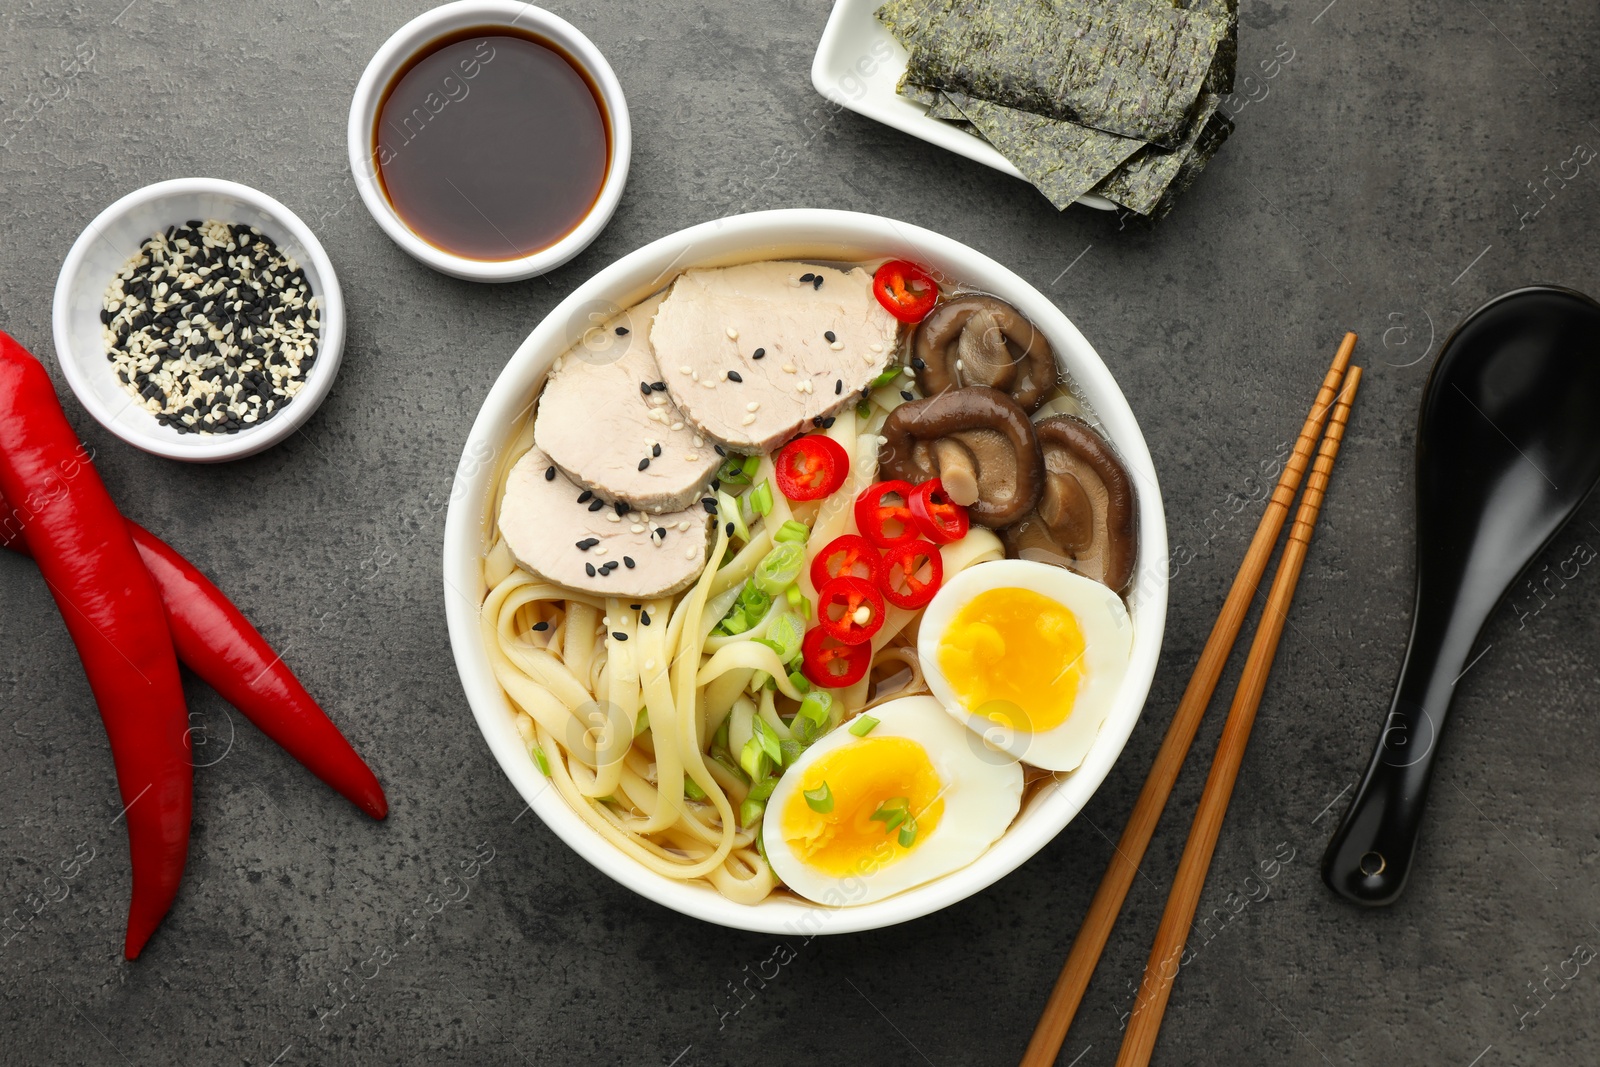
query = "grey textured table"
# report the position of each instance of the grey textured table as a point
(1384, 182)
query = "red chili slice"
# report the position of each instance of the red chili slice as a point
(940, 519)
(839, 606)
(811, 467)
(848, 555)
(886, 524)
(912, 573)
(830, 664)
(905, 290)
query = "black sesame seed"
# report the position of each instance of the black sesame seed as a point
(760, 353)
(710, 504)
(661, 531)
(734, 376)
(906, 395)
(829, 336)
(596, 505)
(588, 568)
(549, 474)
(622, 331)
(619, 635)
(585, 496)
(828, 422)
(633, 607)
(716, 483)
(644, 387)
(808, 276)
(587, 543)
(644, 616)
(643, 463)
(622, 509)
(838, 386)
(659, 387)
(655, 451)
(816, 283)
(541, 626)
(816, 420)
(720, 450)
(627, 561)
(607, 568)
(918, 364)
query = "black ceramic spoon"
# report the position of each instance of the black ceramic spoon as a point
(1508, 447)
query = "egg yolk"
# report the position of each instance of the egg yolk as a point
(1014, 657)
(861, 777)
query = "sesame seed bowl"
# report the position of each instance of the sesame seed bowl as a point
(199, 320)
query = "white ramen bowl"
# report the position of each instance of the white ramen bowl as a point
(823, 236)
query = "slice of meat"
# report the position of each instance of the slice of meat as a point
(545, 519)
(713, 324)
(605, 419)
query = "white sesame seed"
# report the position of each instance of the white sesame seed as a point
(747, 420)
(692, 457)
(958, 364)
(754, 405)
(599, 550)
(612, 516)
(708, 383)
(690, 553)
(636, 528)
(836, 345)
(733, 335)
(876, 347)
(684, 526)
(699, 442)
(677, 426)
(686, 369)
(788, 368)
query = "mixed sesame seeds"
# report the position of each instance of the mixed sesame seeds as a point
(211, 326)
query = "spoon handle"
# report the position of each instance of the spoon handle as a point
(1369, 857)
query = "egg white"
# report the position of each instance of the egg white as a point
(1108, 645)
(982, 792)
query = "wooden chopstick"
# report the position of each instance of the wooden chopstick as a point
(1166, 953)
(1114, 884)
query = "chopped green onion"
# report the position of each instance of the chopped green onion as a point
(763, 789)
(864, 410)
(641, 724)
(820, 799)
(692, 790)
(767, 737)
(540, 760)
(719, 740)
(727, 764)
(886, 377)
(892, 813)
(785, 633)
(817, 707)
(791, 751)
(754, 761)
(798, 600)
(759, 680)
(750, 812)
(800, 682)
(728, 511)
(761, 498)
(862, 725)
(732, 471)
(749, 609)
(779, 568)
(908, 833)
(750, 466)
(792, 531)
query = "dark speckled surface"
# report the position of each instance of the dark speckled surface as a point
(1380, 182)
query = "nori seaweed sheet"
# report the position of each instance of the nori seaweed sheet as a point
(917, 94)
(1061, 159)
(906, 18)
(944, 108)
(1219, 79)
(1150, 181)
(1128, 68)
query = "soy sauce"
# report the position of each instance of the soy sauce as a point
(491, 144)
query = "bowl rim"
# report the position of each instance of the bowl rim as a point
(767, 234)
(196, 448)
(416, 34)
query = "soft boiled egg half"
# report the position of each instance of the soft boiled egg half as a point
(869, 812)
(1029, 655)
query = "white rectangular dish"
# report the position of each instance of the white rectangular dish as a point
(859, 63)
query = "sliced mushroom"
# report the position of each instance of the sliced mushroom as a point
(1087, 518)
(982, 340)
(978, 442)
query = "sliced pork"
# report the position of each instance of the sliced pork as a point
(753, 354)
(606, 420)
(573, 538)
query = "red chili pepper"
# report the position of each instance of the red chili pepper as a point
(850, 596)
(940, 519)
(849, 554)
(114, 615)
(902, 566)
(811, 467)
(216, 641)
(905, 290)
(886, 524)
(831, 664)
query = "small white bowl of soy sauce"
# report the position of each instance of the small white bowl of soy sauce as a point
(490, 140)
